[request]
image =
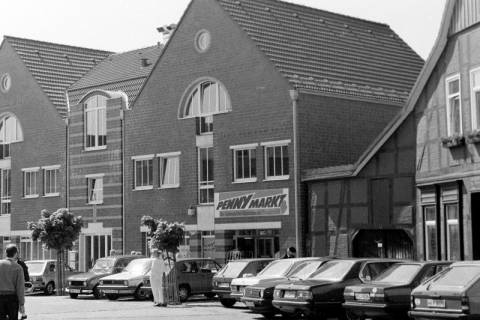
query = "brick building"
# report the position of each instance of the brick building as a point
(247, 95)
(95, 149)
(34, 77)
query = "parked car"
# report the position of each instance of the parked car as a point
(235, 269)
(128, 282)
(275, 270)
(388, 295)
(322, 293)
(258, 298)
(43, 275)
(87, 283)
(452, 294)
(194, 276)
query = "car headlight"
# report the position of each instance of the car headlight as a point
(100, 282)
(125, 283)
(277, 293)
(304, 295)
(85, 283)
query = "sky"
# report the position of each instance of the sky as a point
(123, 25)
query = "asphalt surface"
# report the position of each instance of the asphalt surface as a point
(40, 307)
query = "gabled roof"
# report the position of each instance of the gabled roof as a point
(122, 71)
(382, 138)
(322, 51)
(55, 66)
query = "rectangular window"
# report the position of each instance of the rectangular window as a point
(95, 189)
(6, 195)
(204, 125)
(430, 225)
(475, 97)
(96, 122)
(276, 161)
(50, 181)
(205, 175)
(454, 109)
(143, 168)
(30, 182)
(245, 164)
(169, 170)
(452, 231)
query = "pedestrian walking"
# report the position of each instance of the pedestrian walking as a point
(12, 285)
(291, 253)
(27, 279)
(157, 278)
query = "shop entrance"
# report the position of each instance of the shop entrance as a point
(96, 246)
(256, 243)
(394, 244)
(475, 214)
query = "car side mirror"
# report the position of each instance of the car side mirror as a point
(247, 275)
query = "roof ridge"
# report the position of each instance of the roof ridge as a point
(6, 37)
(288, 3)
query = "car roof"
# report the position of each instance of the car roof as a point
(48, 260)
(424, 263)
(466, 263)
(252, 260)
(194, 259)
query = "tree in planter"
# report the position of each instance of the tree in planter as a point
(58, 231)
(167, 236)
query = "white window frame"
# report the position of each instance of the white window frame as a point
(272, 144)
(56, 169)
(448, 97)
(97, 177)
(249, 147)
(136, 159)
(473, 90)
(450, 222)
(427, 225)
(96, 112)
(5, 196)
(168, 156)
(198, 87)
(25, 172)
(204, 185)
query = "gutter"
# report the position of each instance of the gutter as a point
(298, 245)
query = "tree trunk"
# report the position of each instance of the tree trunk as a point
(60, 275)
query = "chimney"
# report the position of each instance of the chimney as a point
(145, 62)
(166, 31)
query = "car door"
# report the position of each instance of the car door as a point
(208, 268)
(189, 275)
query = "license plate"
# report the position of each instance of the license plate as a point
(435, 303)
(224, 285)
(362, 296)
(110, 291)
(289, 294)
(75, 290)
(249, 304)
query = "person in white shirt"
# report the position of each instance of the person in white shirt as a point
(156, 278)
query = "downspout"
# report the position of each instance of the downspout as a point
(298, 245)
(122, 154)
(67, 154)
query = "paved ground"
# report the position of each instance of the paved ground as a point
(41, 307)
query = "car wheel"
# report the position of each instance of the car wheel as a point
(210, 295)
(112, 296)
(49, 289)
(227, 303)
(139, 294)
(183, 292)
(73, 295)
(96, 293)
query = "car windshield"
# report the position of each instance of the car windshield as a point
(277, 268)
(139, 266)
(399, 273)
(232, 269)
(333, 270)
(457, 276)
(103, 265)
(35, 267)
(304, 270)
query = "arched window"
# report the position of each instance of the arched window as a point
(96, 122)
(10, 132)
(206, 98)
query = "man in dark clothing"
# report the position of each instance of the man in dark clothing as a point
(291, 252)
(12, 285)
(25, 269)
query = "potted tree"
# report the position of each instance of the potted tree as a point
(58, 231)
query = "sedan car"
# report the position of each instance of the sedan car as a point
(235, 269)
(258, 298)
(275, 270)
(87, 283)
(322, 293)
(128, 282)
(194, 276)
(43, 275)
(452, 294)
(388, 295)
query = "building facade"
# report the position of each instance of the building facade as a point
(245, 97)
(33, 109)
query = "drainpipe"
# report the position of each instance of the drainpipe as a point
(122, 154)
(298, 245)
(67, 154)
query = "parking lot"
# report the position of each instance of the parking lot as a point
(40, 307)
